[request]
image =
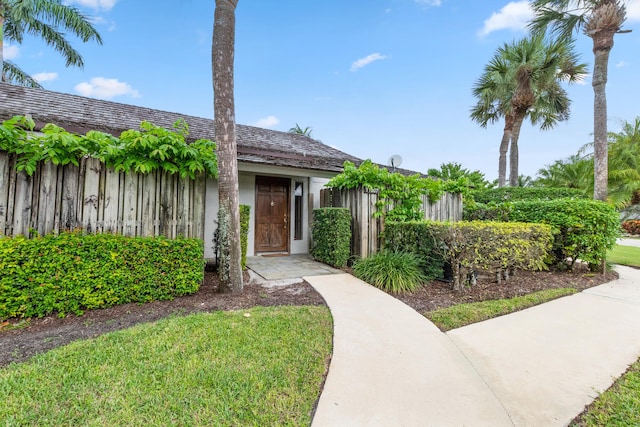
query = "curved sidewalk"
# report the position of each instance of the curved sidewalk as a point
(540, 366)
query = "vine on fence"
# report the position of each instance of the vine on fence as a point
(399, 196)
(141, 151)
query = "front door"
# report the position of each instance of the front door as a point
(272, 214)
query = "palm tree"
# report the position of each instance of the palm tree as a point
(300, 131)
(574, 172)
(624, 164)
(48, 20)
(600, 20)
(523, 80)
(222, 54)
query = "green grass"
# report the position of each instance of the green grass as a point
(213, 369)
(618, 406)
(624, 255)
(464, 314)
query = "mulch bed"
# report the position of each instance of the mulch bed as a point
(40, 335)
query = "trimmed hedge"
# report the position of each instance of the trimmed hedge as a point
(476, 245)
(72, 272)
(504, 194)
(584, 229)
(493, 246)
(417, 237)
(331, 233)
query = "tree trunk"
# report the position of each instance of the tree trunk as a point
(602, 44)
(2, 19)
(513, 160)
(504, 146)
(225, 129)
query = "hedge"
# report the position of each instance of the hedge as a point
(72, 272)
(499, 247)
(503, 194)
(331, 233)
(584, 229)
(417, 237)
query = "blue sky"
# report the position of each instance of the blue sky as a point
(372, 78)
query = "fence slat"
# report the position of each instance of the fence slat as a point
(98, 199)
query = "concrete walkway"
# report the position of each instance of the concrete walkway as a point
(537, 367)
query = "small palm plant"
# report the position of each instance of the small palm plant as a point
(394, 272)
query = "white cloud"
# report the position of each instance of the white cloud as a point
(513, 16)
(45, 77)
(103, 88)
(633, 10)
(366, 61)
(10, 51)
(621, 64)
(267, 122)
(429, 2)
(94, 4)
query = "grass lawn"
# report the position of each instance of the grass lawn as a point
(464, 314)
(258, 367)
(624, 255)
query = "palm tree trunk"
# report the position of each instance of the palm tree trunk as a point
(223, 48)
(602, 44)
(504, 147)
(513, 159)
(2, 12)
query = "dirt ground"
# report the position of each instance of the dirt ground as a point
(36, 336)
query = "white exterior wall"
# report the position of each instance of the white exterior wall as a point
(246, 183)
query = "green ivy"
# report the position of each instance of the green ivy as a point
(245, 217)
(142, 151)
(72, 272)
(331, 231)
(400, 197)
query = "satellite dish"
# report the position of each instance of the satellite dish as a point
(395, 161)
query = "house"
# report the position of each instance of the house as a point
(279, 174)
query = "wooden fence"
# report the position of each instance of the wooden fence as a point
(98, 199)
(366, 229)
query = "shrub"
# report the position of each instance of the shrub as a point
(487, 211)
(504, 194)
(417, 237)
(631, 226)
(584, 229)
(245, 218)
(73, 272)
(493, 246)
(331, 233)
(395, 272)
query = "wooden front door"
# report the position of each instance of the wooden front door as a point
(272, 214)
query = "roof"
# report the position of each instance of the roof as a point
(80, 114)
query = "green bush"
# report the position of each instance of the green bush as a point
(417, 237)
(73, 272)
(504, 194)
(331, 233)
(487, 211)
(245, 218)
(584, 229)
(395, 272)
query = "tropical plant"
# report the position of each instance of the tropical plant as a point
(453, 171)
(49, 20)
(624, 164)
(300, 131)
(222, 55)
(600, 20)
(574, 172)
(395, 272)
(523, 80)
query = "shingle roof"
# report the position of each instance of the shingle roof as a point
(79, 114)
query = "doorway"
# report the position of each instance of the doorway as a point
(272, 214)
